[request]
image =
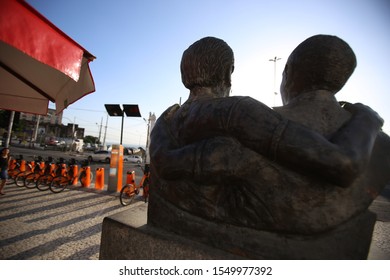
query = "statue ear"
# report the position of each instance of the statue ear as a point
(228, 76)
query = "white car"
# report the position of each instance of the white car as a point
(133, 159)
(100, 156)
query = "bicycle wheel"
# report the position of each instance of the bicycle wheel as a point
(58, 184)
(43, 182)
(30, 180)
(127, 194)
(19, 179)
(83, 175)
(11, 176)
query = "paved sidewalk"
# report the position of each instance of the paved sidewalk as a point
(44, 225)
(67, 226)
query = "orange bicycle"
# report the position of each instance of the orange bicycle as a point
(67, 177)
(52, 169)
(16, 166)
(131, 190)
(30, 180)
(32, 168)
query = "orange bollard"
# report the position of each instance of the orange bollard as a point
(86, 180)
(99, 182)
(42, 165)
(31, 165)
(75, 170)
(52, 168)
(130, 177)
(23, 165)
(63, 169)
(12, 164)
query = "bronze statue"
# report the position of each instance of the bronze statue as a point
(234, 161)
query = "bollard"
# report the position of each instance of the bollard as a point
(53, 168)
(63, 169)
(12, 164)
(42, 165)
(22, 165)
(99, 182)
(130, 177)
(86, 180)
(75, 170)
(31, 165)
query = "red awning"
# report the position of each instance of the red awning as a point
(38, 62)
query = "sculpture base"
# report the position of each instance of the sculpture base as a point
(127, 235)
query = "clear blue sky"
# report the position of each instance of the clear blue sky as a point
(139, 43)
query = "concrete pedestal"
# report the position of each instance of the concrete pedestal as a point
(127, 235)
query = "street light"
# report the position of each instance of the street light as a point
(274, 60)
(100, 129)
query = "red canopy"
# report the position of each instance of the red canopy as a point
(38, 62)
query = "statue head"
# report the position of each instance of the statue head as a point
(208, 63)
(321, 62)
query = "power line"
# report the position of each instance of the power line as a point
(88, 110)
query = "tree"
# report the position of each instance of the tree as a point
(91, 139)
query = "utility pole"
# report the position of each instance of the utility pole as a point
(274, 60)
(100, 130)
(36, 129)
(105, 132)
(10, 124)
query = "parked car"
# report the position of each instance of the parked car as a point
(100, 156)
(133, 159)
(52, 142)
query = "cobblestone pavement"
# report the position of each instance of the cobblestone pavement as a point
(67, 226)
(48, 226)
(380, 245)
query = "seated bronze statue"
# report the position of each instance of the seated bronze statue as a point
(234, 161)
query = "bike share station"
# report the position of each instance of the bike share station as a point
(116, 169)
(116, 164)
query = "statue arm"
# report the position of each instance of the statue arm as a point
(168, 159)
(340, 159)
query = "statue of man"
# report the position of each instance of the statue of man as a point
(230, 159)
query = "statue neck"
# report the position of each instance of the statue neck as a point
(317, 96)
(208, 92)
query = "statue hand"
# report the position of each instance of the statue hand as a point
(363, 110)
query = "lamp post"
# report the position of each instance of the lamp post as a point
(274, 60)
(151, 122)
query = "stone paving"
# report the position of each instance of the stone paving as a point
(67, 226)
(48, 226)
